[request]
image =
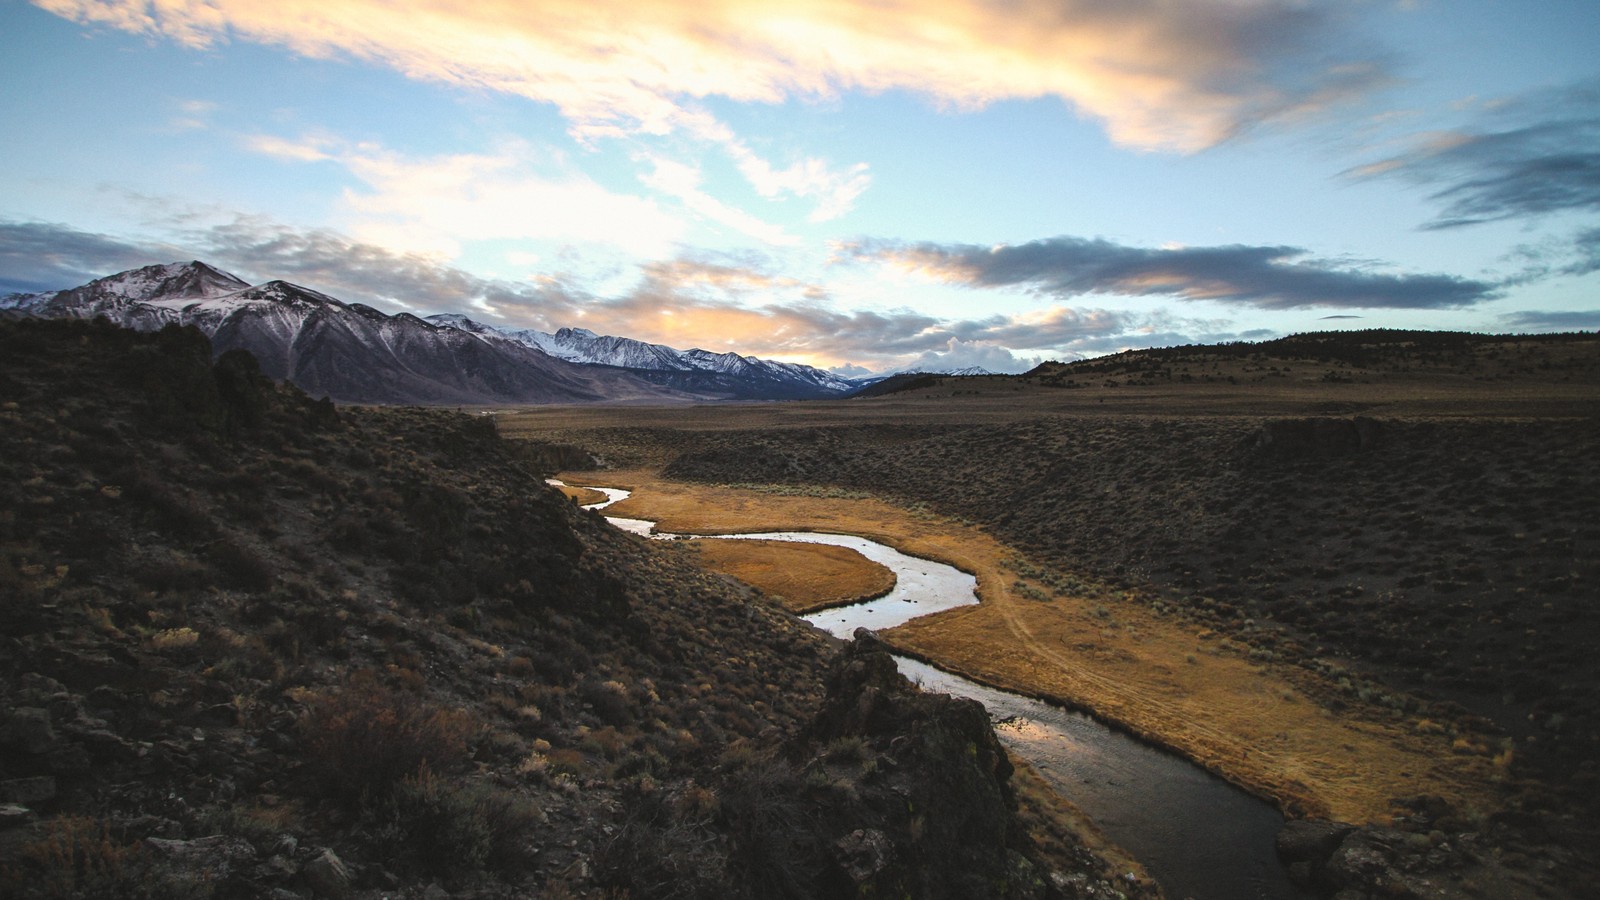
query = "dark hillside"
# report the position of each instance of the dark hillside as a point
(254, 645)
(1455, 557)
(905, 381)
(1343, 356)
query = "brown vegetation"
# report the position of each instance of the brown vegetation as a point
(582, 496)
(803, 577)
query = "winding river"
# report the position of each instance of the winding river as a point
(1196, 835)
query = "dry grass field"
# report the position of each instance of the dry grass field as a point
(582, 496)
(1353, 573)
(805, 578)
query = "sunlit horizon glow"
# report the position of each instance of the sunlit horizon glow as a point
(855, 184)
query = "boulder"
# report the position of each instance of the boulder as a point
(1367, 861)
(1310, 840)
(39, 789)
(934, 819)
(864, 853)
(12, 815)
(217, 856)
(28, 730)
(327, 875)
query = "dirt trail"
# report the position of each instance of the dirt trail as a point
(1162, 679)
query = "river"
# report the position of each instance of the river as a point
(1195, 834)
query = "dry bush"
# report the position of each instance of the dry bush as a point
(609, 700)
(443, 827)
(241, 567)
(364, 739)
(663, 852)
(77, 857)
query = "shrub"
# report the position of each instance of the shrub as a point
(445, 827)
(77, 857)
(364, 739)
(665, 853)
(609, 700)
(241, 567)
(774, 850)
(241, 389)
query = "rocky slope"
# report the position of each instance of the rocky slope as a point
(254, 645)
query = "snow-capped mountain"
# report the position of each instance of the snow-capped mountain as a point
(350, 352)
(354, 353)
(750, 377)
(162, 288)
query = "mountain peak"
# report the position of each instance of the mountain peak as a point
(191, 280)
(289, 293)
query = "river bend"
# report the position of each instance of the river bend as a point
(1196, 835)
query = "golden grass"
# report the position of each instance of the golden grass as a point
(1157, 677)
(803, 577)
(583, 496)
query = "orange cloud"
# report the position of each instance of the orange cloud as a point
(1158, 75)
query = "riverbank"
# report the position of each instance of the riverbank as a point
(1163, 679)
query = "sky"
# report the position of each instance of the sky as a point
(859, 185)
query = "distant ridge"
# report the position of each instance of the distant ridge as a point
(745, 377)
(913, 380)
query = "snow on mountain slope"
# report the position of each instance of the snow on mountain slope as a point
(169, 285)
(349, 352)
(581, 345)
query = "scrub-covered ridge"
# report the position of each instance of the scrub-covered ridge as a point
(255, 645)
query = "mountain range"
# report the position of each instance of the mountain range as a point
(357, 354)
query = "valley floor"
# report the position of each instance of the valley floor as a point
(1356, 586)
(1264, 727)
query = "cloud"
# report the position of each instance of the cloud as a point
(1532, 156)
(682, 181)
(1542, 321)
(959, 354)
(194, 115)
(366, 273)
(835, 192)
(1586, 247)
(43, 256)
(431, 204)
(1055, 326)
(1264, 277)
(683, 302)
(1157, 75)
